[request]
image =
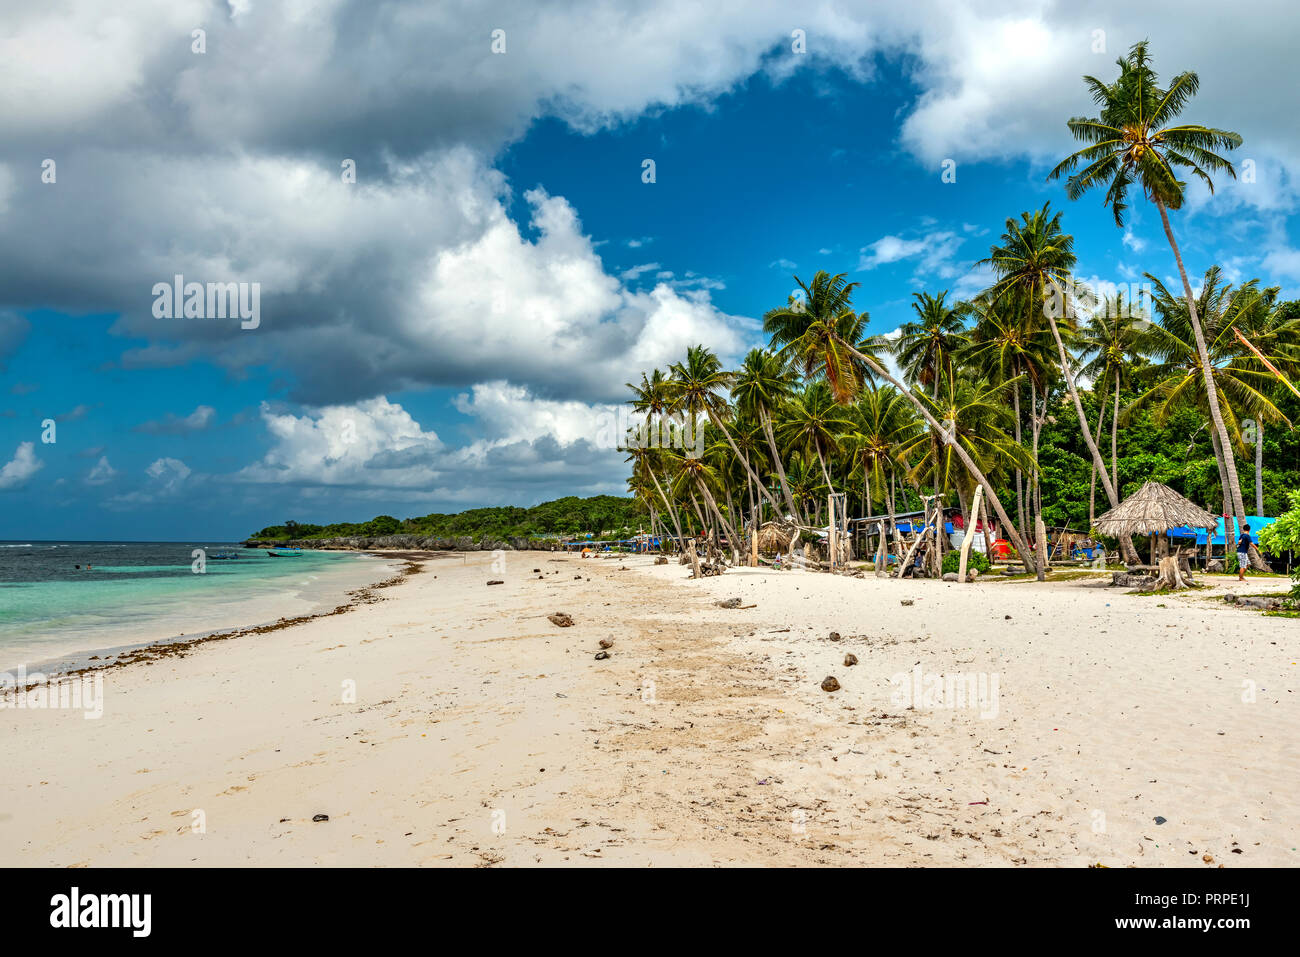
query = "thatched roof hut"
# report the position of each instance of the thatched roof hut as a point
(1153, 510)
(775, 537)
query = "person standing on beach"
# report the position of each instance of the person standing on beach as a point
(1243, 552)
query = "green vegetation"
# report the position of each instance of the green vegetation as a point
(1284, 535)
(976, 562)
(605, 516)
(1058, 399)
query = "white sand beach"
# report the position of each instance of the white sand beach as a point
(482, 734)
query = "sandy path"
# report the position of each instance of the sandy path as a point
(483, 734)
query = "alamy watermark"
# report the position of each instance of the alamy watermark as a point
(1099, 299)
(179, 299)
(922, 690)
(36, 692)
(622, 428)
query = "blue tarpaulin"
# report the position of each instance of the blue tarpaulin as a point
(1256, 522)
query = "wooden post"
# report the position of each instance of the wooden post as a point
(695, 559)
(753, 547)
(1040, 545)
(830, 530)
(970, 533)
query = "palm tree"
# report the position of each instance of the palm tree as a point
(925, 347)
(884, 423)
(762, 386)
(1009, 346)
(1108, 345)
(822, 335)
(827, 347)
(652, 398)
(697, 387)
(1036, 259)
(1274, 329)
(1132, 141)
(1175, 371)
(813, 424)
(977, 418)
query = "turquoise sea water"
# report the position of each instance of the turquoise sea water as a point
(132, 593)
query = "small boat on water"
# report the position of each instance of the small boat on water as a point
(283, 552)
(223, 556)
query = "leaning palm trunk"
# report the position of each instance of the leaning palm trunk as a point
(780, 469)
(1259, 468)
(962, 454)
(825, 474)
(672, 512)
(1020, 478)
(723, 524)
(1211, 392)
(744, 460)
(1125, 542)
(1114, 437)
(1035, 493)
(1092, 483)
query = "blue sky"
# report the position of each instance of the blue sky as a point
(445, 332)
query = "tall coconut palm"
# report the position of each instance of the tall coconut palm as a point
(1273, 329)
(1008, 345)
(883, 422)
(761, 386)
(1136, 140)
(1036, 258)
(925, 347)
(828, 347)
(698, 385)
(977, 419)
(652, 399)
(1109, 344)
(813, 424)
(815, 334)
(1175, 371)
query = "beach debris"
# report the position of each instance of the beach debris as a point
(537, 569)
(317, 818)
(906, 601)
(950, 576)
(1159, 819)
(496, 582)
(729, 603)
(830, 684)
(602, 655)
(833, 636)
(850, 660)
(561, 619)
(607, 642)
(661, 560)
